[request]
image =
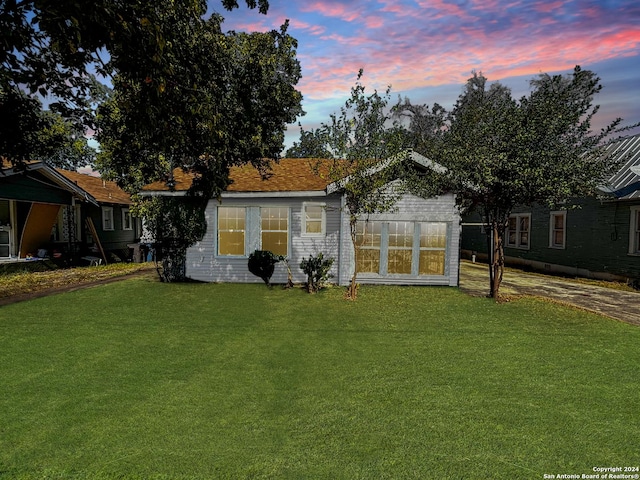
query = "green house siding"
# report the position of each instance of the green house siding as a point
(116, 239)
(20, 187)
(596, 242)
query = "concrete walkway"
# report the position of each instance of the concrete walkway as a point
(620, 305)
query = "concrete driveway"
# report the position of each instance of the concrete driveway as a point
(623, 306)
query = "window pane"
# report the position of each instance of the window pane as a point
(314, 226)
(524, 224)
(368, 234)
(231, 243)
(433, 235)
(401, 234)
(558, 222)
(231, 230)
(558, 237)
(399, 261)
(432, 262)
(275, 242)
(368, 260)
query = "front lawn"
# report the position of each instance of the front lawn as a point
(140, 379)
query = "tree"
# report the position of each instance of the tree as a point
(309, 146)
(55, 50)
(367, 148)
(501, 152)
(224, 100)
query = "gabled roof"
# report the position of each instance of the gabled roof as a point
(50, 174)
(286, 175)
(83, 187)
(104, 191)
(625, 183)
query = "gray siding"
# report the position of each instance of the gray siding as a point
(417, 209)
(204, 264)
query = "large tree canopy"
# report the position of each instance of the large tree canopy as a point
(501, 152)
(52, 51)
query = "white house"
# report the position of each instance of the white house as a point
(298, 212)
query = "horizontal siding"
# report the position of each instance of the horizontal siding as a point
(204, 264)
(597, 241)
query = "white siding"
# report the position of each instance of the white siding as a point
(204, 264)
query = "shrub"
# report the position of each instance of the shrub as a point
(262, 263)
(317, 271)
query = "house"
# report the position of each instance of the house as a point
(298, 212)
(45, 211)
(598, 239)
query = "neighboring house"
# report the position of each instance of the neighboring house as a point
(599, 239)
(297, 212)
(44, 211)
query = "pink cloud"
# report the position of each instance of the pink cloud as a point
(335, 10)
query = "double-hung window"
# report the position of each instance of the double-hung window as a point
(368, 239)
(231, 231)
(274, 223)
(127, 224)
(433, 247)
(519, 230)
(634, 231)
(314, 220)
(557, 229)
(107, 218)
(400, 250)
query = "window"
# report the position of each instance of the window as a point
(634, 231)
(231, 229)
(368, 236)
(274, 223)
(557, 229)
(126, 220)
(107, 218)
(433, 246)
(313, 220)
(518, 230)
(400, 250)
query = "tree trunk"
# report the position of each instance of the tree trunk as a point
(352, 290)
(496, 266)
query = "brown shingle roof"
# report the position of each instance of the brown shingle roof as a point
(287, 175)
(104, 191)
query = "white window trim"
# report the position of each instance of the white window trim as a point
(125, 211)
(288, 230)
(517, 245)
(323, 228)
(244, 231)
(107, 212)
(634, 242)
(563, 214)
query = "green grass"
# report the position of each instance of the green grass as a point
(139, 379)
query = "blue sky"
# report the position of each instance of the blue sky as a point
(426, 49)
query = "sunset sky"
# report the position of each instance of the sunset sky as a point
(426, 49)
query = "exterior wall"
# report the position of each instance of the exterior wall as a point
(597, 241)
(416, 209)
(112, 240)
(204, 264)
